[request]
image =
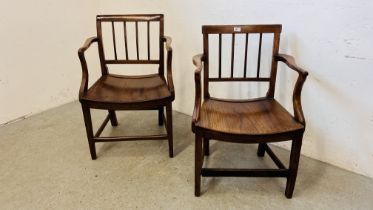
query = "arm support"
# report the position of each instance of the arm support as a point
(170, 82)
(83, 62)
(197, 61)
(302, 75)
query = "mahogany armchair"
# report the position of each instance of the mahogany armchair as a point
(114, 92)
(260, 120)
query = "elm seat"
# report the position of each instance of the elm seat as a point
(128, 89)
(259, 117)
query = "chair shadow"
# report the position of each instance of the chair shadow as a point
(231, 155)
(145, 123)
(292, 48)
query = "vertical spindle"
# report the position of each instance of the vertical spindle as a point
(137, 39)
(220, 55)
(148, 26)
(232, 56)
(259, 55)
(114, 44)
(245, 64)
(125, 38)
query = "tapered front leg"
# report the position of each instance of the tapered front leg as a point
(198, 165)
(169, 129)
(89, 130)
(293, 166)
(160, 116)
(261, 149)
(113, 118)
(206, 146)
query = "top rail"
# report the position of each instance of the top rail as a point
(134, 17)
(214, 29)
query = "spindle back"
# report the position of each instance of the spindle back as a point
(121, 42)
(232, 31)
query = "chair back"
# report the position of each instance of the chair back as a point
(238, 52)
(130, 39)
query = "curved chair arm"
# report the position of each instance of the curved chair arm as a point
(83, 62)
(302, 75)
(197, 61)
(170, 82)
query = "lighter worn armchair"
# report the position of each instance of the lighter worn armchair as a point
(118, 92)
(259, 120)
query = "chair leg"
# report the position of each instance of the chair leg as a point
(113, 118)
(160, 116)
(206, 146)
(293, 166)
(261, 149)
(169, 129)
(198, 165)
(89, 130)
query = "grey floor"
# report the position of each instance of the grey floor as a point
(45, 164)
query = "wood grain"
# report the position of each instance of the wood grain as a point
(128, 89)
(259, 117)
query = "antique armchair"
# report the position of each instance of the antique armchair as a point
(260, 120)
(118, 92)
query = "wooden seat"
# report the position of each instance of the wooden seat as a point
(114, 92)
(259, 120)
(128, 89)
(258, 117)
